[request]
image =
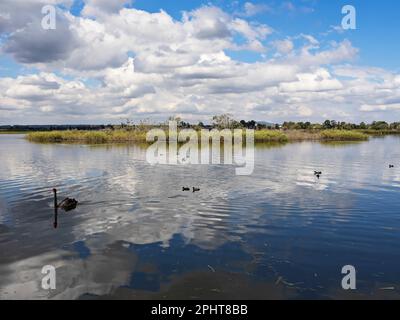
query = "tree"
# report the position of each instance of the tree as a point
(225, 121)
(289, 125)
(251, 124)
(379, 125)
(180, 123)
(395, 125)
(327, 124)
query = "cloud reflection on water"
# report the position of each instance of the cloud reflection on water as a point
(123, 201)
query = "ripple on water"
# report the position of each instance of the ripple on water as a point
(282, 214)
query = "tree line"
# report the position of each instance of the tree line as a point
(341, 125)
(223, 121)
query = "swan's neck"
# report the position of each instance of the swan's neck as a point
(55, 199)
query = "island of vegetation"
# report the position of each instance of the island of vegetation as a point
(330, 130)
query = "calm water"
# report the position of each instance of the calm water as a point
(278, 234)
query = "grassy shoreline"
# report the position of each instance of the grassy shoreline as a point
(128, 136)
(13, 132)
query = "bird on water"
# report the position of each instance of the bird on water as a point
(67, 204)
(317, 173)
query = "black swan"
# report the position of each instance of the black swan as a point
(67, 204)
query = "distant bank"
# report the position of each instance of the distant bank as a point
(329, 130)
(124, 136)
(29, 128)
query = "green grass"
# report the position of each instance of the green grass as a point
(270, 136)
(12, 132)
(343, 135)
(384, 132)
(115, 136)
(90, 137)
(139, 136)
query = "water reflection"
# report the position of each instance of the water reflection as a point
(280, 233)
(55, 223)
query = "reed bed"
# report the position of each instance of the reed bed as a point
(90, 137)
(12, 132)
(115, 136)
(343, 135)
(121, 136)
(270, 136)
(374, 132)
(301, 135)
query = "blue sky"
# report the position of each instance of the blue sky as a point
(199, 63)
(378, 22)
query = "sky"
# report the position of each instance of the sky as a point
(111, 60)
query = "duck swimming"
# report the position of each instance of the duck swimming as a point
(391, 166)
(196, 189)
(67, 204)
(185, 189)
(317, 173)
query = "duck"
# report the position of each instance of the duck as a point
(185, 189)
(318, 174)
(67, 204)
(391, 166)
(196, 189)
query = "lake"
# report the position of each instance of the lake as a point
(280, 233)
